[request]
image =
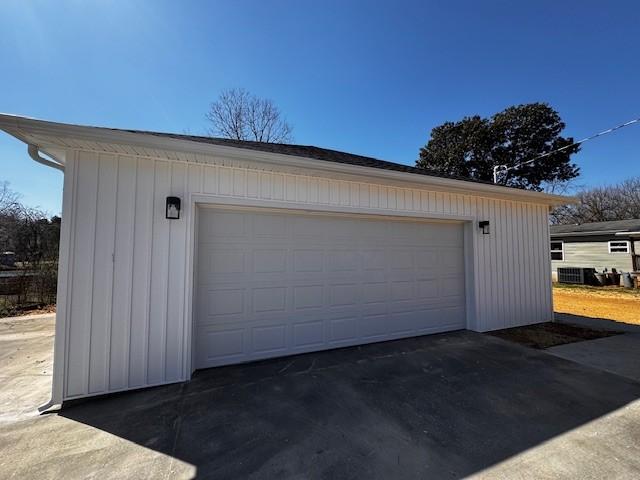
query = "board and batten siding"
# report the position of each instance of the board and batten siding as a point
(593, 255)
(125, 306)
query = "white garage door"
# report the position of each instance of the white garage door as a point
(271, 284)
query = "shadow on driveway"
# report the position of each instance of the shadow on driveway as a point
(440, 406)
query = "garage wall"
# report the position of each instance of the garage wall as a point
(125, 321)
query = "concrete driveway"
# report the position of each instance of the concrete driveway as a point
(443, 406)
(26, 362)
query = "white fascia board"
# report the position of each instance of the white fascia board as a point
(16, 126)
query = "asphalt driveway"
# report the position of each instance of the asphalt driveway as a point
(442, 406)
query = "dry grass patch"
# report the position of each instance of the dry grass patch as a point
(612, 303)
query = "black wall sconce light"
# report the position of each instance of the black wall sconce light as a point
(484, 225)
(173, 208)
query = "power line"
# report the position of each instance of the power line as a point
(506, 168)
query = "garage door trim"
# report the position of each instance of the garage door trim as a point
(196, 201)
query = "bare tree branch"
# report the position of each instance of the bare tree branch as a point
(9, 201)
(239, 115)
(601, 204)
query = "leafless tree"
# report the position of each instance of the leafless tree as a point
(10, 211)
(240, 115)
(9, 201)
(631, 192)
(600, 204)
(33, 239)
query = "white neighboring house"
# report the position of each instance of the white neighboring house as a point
(278, 250)
(599, 245)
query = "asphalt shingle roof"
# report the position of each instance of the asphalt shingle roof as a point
(309, 151)
(615, 225)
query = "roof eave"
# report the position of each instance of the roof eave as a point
(17, 126)
(589, 233)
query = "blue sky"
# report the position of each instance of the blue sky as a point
(362, 76)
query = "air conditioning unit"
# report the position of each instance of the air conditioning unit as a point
(580, 276)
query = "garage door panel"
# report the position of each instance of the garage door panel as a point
(380, 308)
(344, 294)
(400, 259)
(451, 287)
(214, 346)
(268, 226)
(269, 260)
(223, 225)
(374, 326)
(343, 330)
(451, 316)
(309, 334)
(269, 338)
(307, 297)
(272, 284)
(427, 258)
(226, 301)
(308, 260)
(402, 290)
(343, 261)
(406, 322)
(221, 261)
(428, 288)
(304, 227)
(224, 261)
(375, 292)
(373, 259)
(269, 300)
(446, 234)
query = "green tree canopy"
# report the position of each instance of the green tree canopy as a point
(472, 146)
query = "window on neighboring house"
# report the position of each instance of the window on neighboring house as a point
(618, 246)
(557, 250)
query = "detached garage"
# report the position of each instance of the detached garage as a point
(181, 252)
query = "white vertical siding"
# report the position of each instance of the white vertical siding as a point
(176, 278)
(79, 319)
(125, 216)
(141, 273)
(126, 325)
(157, 334)
(102, 314)
(64, 280)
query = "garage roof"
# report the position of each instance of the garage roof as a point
(55, 137)
(308, 151)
